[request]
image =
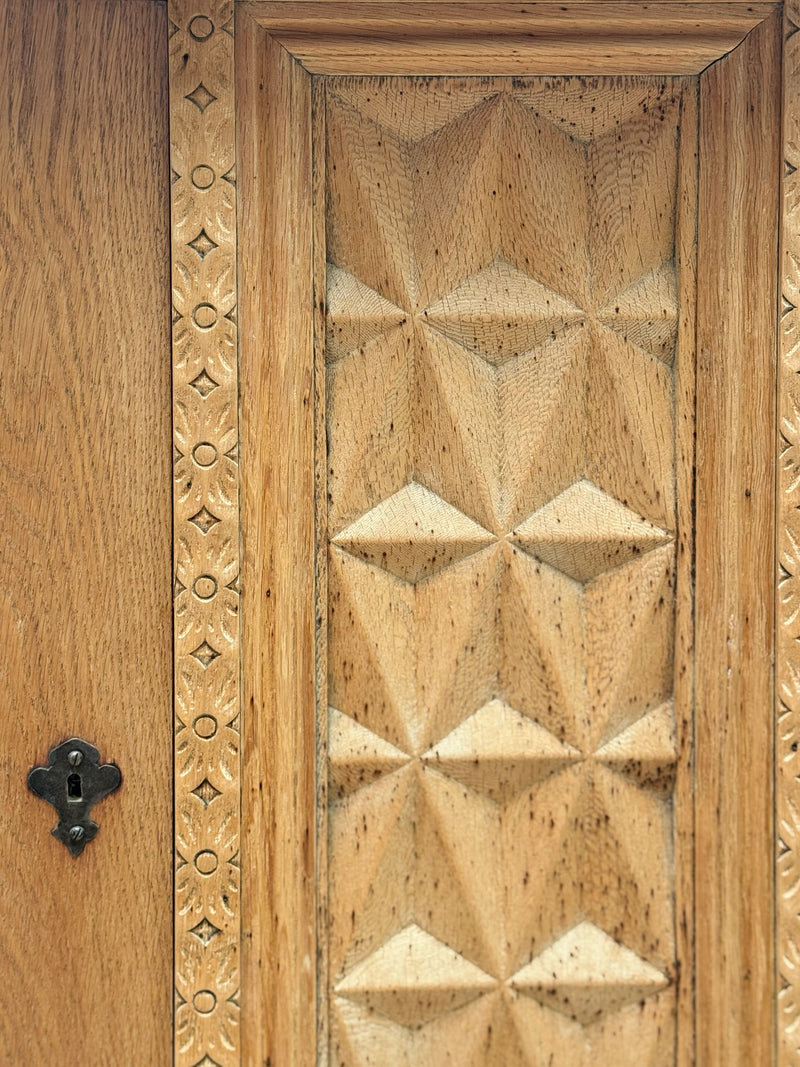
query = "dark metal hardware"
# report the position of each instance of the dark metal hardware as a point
(73, 783)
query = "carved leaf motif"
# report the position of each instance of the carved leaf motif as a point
(206, 500)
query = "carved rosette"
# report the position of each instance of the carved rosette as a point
(206, 532)
(788, 644)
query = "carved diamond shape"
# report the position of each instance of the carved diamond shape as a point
(500, 312)
(646, 751)
(356, 314)
(357, 756)
(413, 534)
(202, 244)
(201, 97)
(206, 792)
(646, 313)
(205, 654)
(584, 532)
(205, 931)
(204, 383)
(586, 974)
(499, 751)
(207, 1062)
(204, 520)
(414, 978)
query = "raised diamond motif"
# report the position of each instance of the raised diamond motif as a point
(414, 978)
(647, 313)
(646, 751)
(204, 383)
(586, 975)
(584, 532)
(206, 792)
(205, 654)
(356, 314)
(207, 1062)
(499, 751)
(204, 520)
(413, 534)
(201, 97)
(357, 756)
(202, 244)
(500, 312)
(205, 931)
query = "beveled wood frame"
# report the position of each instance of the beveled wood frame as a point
(246, 750)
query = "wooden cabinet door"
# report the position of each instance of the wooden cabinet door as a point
(484, 545)
(508, 403)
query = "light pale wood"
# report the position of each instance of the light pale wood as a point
(502, 460)
(374, 539)
(85, 541)
(787, 760)
(739, 154)
(446, 38)
(206, 534)
(278, 524)
(685, 397)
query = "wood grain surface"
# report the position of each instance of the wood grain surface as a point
(735, 615)
(476, 38)
(85, 541)
(279, 807)
(502, 460)
(787, 749)
(205, 392)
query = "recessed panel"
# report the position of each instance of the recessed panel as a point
(503, 293)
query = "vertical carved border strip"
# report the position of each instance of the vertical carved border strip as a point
(787, 756)
(206, 534)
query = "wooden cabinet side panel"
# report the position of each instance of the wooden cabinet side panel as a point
(738, 211)
(279, 784)
(85, 623)
(787, 757)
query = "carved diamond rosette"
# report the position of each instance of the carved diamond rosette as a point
(788, 606)
(206, 534)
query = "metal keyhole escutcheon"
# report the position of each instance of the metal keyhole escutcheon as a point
(73, 782)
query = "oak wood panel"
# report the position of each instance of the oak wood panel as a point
(426, 38)
(787, 682)
(685, 400)
(737, 300)
(205, 392)
(501, 470)
(85, 542)
(278, 540)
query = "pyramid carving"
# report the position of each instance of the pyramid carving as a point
(413, 534)
(646, 313)
(499, 751)
(587, 975)
(379, 102)
(356, 314)
(414, 978)
(646, 751)
(501, 312)
(500, 420)
(584, 532)
(357, 756)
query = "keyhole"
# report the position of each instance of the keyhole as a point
(74, 790)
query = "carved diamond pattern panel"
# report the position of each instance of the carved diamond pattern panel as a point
(501, 325)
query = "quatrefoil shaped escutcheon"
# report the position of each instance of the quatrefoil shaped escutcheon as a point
(73, 783)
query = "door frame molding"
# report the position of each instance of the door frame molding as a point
(245, 847)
